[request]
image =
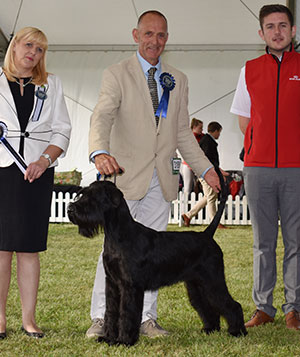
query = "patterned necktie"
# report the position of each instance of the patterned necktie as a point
(153, 90)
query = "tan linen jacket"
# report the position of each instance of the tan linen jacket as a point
(123, 124)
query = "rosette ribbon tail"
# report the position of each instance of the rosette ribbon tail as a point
(163, 104)
(167, 82)
(16, 156)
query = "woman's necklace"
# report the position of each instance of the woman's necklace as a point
(25, 84)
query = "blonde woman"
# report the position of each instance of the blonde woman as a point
(32, 107)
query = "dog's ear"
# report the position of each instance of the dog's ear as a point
(116, 196)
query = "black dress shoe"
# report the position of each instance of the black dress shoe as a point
(2, 335)
(33, 334)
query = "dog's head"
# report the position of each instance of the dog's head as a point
(92, 205)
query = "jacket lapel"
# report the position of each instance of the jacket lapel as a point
(138, 75)
(6, 95)
(31, 123)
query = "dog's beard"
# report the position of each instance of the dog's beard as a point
(89, 231)
(88, 225)
(87, 228)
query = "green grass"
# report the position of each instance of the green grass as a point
(67, 276)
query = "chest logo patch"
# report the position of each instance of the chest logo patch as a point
(295, 78)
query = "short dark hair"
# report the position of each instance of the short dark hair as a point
(195, 122)
(270, 9)
(213, 126)
(153, 12)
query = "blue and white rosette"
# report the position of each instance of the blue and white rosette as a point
(167, 82)
(41, 95)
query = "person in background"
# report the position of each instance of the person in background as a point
(185, 171)
(32, 107)
(267, 98)
(128, 132)
(209, 145)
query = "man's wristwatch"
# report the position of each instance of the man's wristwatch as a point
(48, 157)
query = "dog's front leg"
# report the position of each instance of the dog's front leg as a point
(131, 308)
(112, 313)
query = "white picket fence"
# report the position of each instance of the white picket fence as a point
(235, 213)
(59, 206)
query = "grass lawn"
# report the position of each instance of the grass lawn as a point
(67, 276)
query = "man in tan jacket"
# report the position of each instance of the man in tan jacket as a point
(125, 133)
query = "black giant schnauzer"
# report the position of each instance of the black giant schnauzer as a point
(137, 258)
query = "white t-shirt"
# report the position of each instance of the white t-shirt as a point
(241, 104)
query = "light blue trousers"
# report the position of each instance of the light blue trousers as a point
(273, 194)
(152, 211)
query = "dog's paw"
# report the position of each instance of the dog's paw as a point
(238, 333)
(209, 330)
(128, 343)
(107, 340)
(116, 342)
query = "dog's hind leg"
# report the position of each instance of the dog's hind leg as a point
(112, 313)
(232, 311)
(215, 289)
(131, 308)
(199, 301)
(235, 319)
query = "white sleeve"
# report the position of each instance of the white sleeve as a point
(241, 104)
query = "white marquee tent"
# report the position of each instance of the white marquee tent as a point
(209, 40)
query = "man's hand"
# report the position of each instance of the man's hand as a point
(212, 179)
(107, 165)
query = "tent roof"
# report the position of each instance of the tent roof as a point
(109, 22)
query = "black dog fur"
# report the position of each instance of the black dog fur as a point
(137, 258)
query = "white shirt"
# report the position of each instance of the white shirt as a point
(241, 104)
(146, 66)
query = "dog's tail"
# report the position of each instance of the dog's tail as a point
(210, 230)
